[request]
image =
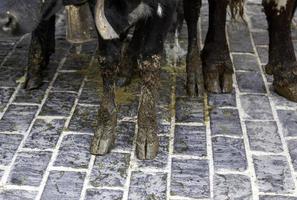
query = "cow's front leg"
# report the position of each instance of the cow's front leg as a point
(105, 134)
(217, 65)
(41, 47)
(195, 82)
(282, 60)
(147, 144)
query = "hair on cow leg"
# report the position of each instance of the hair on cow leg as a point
(147, 142)
(41, 47)
(195, 80)
(105, 134)
(282, 60)
(217, 65)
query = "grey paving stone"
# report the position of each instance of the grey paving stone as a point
(163, 114)
(273, 174)
(103, 194)
(74, 151)
(31, 96)
(90, 93)
(222, 100)
(250, 82)
(229, 154)
(256, 107)
(276, 197)
(264, 136)
(246, 62)
(189, 110)
(17, 118)
(190, 140)
(232, 186)
(9, 76)
(76, 62)
(239, 38)
(292, 144)
(110, 170)
(162, 158)
(8, 146)
(263, 54)
(288, 120)
(181, 85)
(261, 38)
(5, 95)
(58, 104)
(17, 195)
(1, 174)
(280, 101)
(128, 111)
(190, 178)
(44, 134)
(63, 185)
(258, 22)
(68, 82)
(225, 122)
(29, 168)
(148, 186)
(84, 119)
(125, 135)
(164, 129)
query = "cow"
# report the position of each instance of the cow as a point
(217, 65)
(150, 21)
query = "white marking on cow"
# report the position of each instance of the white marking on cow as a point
(280, 4)
(140, 12)
(160, 10)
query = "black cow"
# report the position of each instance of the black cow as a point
(217, 67)
(114, 18)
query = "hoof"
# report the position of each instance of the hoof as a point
(218, 80)
(147, 150)
(32, 83)
(101, 146)
(289, 91)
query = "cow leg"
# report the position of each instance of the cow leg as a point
(282, 60)
(41, 47)
(195, 82)
(217, 65)
(105, 134)
(147, 142)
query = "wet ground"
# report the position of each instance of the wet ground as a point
(232, 146)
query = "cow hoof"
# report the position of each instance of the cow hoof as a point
(218, 80)
(147, 147)
(269, 69)
(287, 90)
(102, 145)
(33, 83)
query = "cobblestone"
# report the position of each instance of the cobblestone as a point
(240, 146)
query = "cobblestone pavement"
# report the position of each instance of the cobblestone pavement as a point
(242, 146)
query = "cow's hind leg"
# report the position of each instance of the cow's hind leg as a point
(217, 65)
(282, 60)
(41, 47)
(195, 82)
(105, 134)
(147, 142)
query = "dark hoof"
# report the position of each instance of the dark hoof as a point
(218, 81)
(101, 145)
(33, 83)
(287, 90)
(269, 69)
(147, 149)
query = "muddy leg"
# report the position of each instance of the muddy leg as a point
(105, 134)
(282, 60)
(147, 144)
(217, 66)
(41, 47)
(195, 81)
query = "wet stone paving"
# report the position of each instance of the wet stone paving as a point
(239, 146)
